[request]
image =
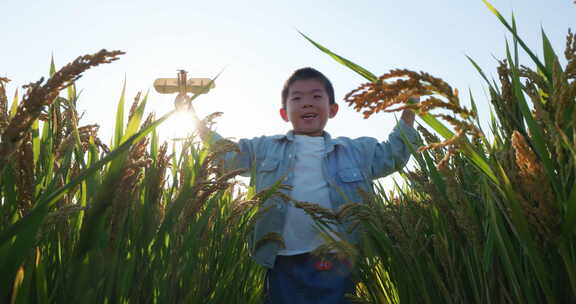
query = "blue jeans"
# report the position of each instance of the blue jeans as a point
(306, 279)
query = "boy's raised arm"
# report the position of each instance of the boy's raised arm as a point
(240, 159)
(388, 156)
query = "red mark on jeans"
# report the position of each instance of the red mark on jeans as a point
(323, 265)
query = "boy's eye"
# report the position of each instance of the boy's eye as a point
(296, 98)
(317, 96)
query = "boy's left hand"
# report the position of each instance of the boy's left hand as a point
(407, 115)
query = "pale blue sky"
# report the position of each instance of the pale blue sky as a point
(258, 44)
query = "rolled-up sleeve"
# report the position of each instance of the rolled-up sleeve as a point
(240, 158)
(392, 155)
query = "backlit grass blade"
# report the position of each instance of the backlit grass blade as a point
(550, 58)
(49, 199)
(516, 61)
(119, 129)
(358, 69)
(97, 210)
(136, 118)
(15, 252)
(40, 278)
(481, 72)
(52, 70)
(35, 141)
(534, 58)
(535, 130)
(74, 126)
(14, 106)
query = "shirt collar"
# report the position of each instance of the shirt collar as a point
(328, 143)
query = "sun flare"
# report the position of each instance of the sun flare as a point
(179, 126)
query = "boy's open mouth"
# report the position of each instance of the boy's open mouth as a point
(309, 116)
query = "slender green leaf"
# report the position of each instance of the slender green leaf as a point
(358, 69)
(535, 130)
(520, 41)
(14, 106)
(119, 129)
(550, 58)
(136, 119)
(52, 70)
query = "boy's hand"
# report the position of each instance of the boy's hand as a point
(407, 115)
(202, 129)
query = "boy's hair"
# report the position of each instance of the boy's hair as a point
(305, 74)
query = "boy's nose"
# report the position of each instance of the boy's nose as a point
(307, 103)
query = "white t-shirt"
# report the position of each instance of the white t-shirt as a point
(310, 185)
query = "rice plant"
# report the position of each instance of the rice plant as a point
(479, 220)
(130, 223)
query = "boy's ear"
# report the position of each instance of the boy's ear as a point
(333, 110)
(284, 115)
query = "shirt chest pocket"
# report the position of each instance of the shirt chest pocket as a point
(267, 173)
(350, 175)
(352, 181)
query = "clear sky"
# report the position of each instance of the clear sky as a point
(258, 44)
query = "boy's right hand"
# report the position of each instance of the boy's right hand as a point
(201, 127)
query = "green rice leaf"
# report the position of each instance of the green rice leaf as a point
(40, 278)
(569, 223)
(358, 69)
(52, 70)
(549, 54)
(521, 226)
(35, 141)
(435, 176)
(38, 213)
(119, 130)
(136, 119)
(520, 41)
(93, 221)
(17, 250)
(536, 131)
(515, 30)
(14, 105)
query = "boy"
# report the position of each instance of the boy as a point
(319, 170)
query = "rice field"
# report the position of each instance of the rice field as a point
(485, 216)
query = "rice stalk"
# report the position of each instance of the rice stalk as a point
(40, 94)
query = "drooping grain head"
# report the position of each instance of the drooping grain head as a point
(537, 196)
(3, 104)
(570, 55)
(25, 178)
(134, 105)
(39, 95)
(391, 92)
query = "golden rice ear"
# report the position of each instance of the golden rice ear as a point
(570, 55)
(3, 104)
(39, 95)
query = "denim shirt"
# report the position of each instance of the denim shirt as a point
(348, 165)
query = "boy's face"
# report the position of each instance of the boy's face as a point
(308, 107)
